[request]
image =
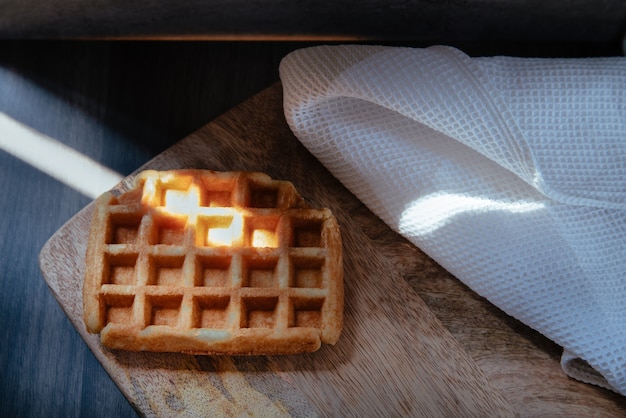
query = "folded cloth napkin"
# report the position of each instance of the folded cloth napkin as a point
(509, 172)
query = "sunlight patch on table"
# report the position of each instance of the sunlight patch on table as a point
(57, 160)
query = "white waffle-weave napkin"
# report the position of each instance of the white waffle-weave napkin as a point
(509, 172)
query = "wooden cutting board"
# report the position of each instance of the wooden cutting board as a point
(395, 357)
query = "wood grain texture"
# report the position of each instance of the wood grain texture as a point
(528, 20)
(523, 364)
(395, 356)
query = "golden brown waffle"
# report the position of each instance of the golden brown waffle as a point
(208, 262)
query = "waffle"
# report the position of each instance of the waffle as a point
(206, 262)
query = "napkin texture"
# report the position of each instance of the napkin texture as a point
(509, 172)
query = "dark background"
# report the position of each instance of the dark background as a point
(122, 102)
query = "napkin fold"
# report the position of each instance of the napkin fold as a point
(509, 172)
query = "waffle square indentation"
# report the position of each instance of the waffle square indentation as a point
(307, 272)
(218, 192)
(213, 270)
(212, 311)
(169, 230)
(263, 195)
(307, 232)
(259, 312)
(307, 312)
(219, 230)
(166, 270)
(118, 309)
(261, 231)
(260, 272)
(169, 189)
(120, 268)
(164, 309)
(124, 228)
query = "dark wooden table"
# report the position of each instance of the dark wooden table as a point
(119, 103)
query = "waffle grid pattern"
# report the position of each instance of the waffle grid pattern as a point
(207, 262)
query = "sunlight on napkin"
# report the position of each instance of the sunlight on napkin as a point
(509, 172)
